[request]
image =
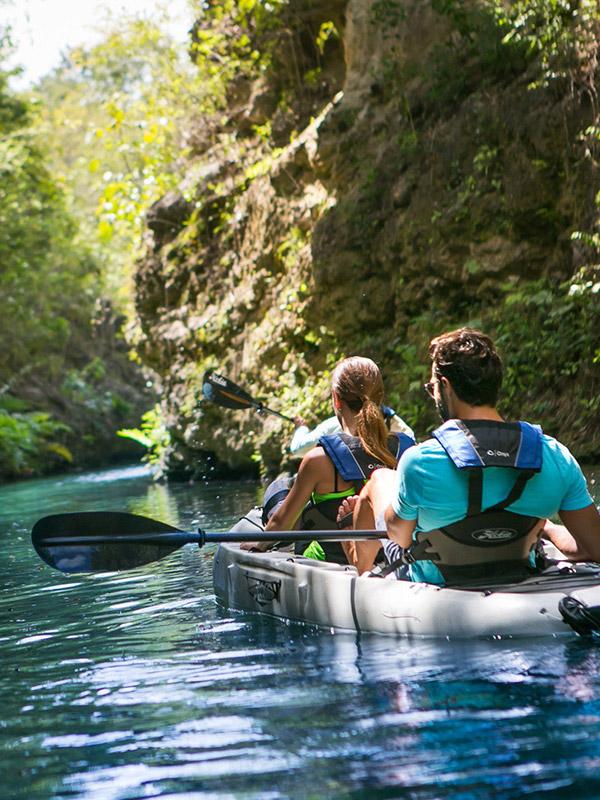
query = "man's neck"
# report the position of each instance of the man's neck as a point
(462, 410)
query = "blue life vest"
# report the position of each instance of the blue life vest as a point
(492, 541)
(352, 462)
(354, 465)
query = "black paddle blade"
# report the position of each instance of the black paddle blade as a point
(103, 556)
(223, 392)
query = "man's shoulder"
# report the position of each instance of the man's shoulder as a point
(429, 447)
(426, 452)
(556, 452)
(552, 445)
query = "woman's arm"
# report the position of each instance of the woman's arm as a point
(307, 478)
(286, 516)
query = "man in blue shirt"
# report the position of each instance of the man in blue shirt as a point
(431, 489)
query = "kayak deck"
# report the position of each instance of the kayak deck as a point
(332, 596)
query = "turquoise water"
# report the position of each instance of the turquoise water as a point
(137, 685)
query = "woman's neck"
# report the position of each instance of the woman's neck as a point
(347, 420)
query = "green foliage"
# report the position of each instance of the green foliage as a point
(47, 275)
(550, 337)
(152, 434)
(28, 441)
(86, 388)
(121, 118)
(562, 33)
(326, 32)
(114, 116)
(473, 55)
(387, 13)
(497, 39)
(49, 282)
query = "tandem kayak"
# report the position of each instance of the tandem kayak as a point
(562, 600)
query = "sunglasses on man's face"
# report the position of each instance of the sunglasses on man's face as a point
(429, 388)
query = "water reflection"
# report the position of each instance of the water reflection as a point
(158, 503)
(136, 684)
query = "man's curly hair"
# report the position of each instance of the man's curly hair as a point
(470, 361)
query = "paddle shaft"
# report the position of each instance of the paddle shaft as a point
(260, 407)
(205, 537)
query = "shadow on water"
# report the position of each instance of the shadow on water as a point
(129, 685)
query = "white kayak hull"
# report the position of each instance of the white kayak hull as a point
(292, 587)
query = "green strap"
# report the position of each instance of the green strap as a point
(314, 550)
(321, 498)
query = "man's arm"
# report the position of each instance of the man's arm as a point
(579, 537)
(377, 495)
(399, 530)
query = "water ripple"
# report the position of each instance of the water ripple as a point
(131, 685)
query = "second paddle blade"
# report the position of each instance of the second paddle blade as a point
(220, 390)
(74, 555)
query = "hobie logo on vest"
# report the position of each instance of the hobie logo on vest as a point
(494, 534)
(499, 453)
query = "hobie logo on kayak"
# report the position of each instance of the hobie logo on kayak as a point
(218, 379)
(494, 534)
(262, 591)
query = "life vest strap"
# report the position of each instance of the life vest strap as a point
(475, 498)
(488, 443)
(475, 488)
(515, 492)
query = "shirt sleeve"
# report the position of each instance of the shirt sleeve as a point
(577, 494)
(300, 439)
(304, 439)
(406, 498)
(398, 425)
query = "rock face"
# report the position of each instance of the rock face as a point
(359, 196)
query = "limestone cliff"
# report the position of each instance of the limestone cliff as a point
(399, 169)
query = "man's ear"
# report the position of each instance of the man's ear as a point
(447, 389)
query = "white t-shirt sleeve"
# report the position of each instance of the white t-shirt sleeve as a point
(398, 425)
(304, 439)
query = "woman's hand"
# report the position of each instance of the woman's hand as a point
(257, 547)
(346, 511)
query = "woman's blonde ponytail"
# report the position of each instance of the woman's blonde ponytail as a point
(358, 382)
(373, 433)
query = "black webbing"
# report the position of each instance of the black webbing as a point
(415, 552)
(515, 492)
(475, 491)
(384, 571)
